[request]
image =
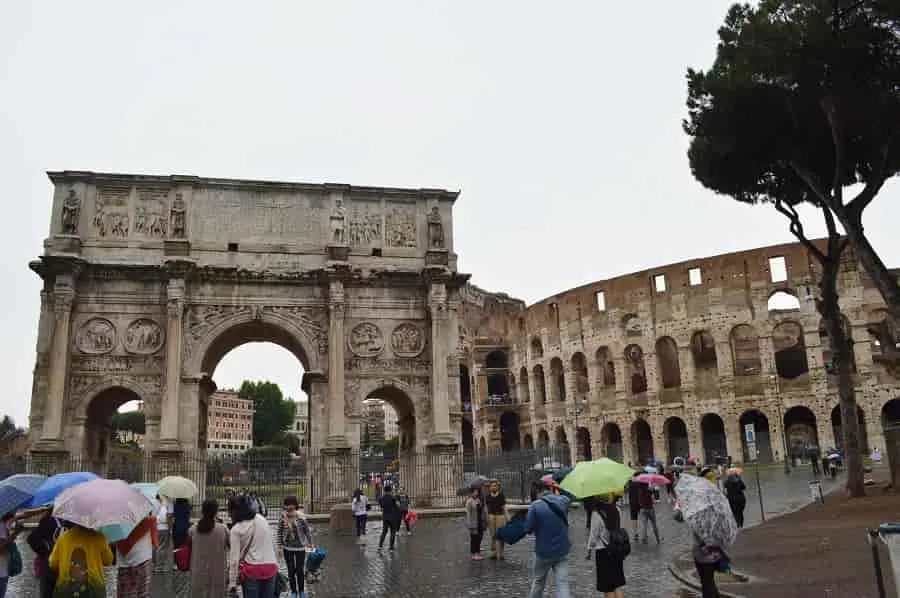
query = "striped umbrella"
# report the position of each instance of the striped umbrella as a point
(16, 490)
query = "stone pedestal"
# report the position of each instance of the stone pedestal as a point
(48, 459)
(444, 470)
(334, 477)
(342, 521)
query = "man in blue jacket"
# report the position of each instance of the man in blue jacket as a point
(548, 520)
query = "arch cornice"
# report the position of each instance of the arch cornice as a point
(307, 335)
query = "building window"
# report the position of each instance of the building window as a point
(695, 277)
(778, 269)
(659, 283)
(601, 301)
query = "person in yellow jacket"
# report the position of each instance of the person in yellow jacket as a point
(78, 558)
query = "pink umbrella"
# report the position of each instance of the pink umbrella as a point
(110, 506)
(653, 479)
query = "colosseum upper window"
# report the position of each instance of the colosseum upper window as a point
(778, 269)
(537, 349)
(783, 301)
(659, 283)
(634, 369)
(606, 367)
(496, 360)
(695, 277)
(632, 325)
(745, 350)
(667, 357)
(580, 371)
(601, 301)
(790, 350)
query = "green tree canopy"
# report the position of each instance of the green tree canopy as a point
(802, 102)
(133, 422)
(273, 414)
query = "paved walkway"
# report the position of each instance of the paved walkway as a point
(434, 561)
(820, 550)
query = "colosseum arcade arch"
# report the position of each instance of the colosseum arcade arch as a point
(611, 440)
(642, 441)
(763, 435)
(508, 424)
(800, 431)
(712, 429)
(95, 422)
(150, 280)
(677, 443)
(837, 430)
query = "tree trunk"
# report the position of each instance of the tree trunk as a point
(884, 281)
(842, 365)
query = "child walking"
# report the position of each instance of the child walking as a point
(294, 537)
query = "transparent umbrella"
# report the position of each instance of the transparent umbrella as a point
(706, 511)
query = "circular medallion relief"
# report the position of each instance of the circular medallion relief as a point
(366, 340)
(143, 337)
(96, 337)
(407, 340)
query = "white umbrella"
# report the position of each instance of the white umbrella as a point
(706, 511)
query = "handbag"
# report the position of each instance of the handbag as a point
(15, 560)
(183, 555)
(241, 576)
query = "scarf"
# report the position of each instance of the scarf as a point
(146, 526)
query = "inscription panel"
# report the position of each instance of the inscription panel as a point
(233, 215)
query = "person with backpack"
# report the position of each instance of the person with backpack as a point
(548, 520)
(294, 540)
(609, 544)
(390, 517)
(80, 558)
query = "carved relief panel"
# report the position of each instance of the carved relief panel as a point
(400, 227)
(151, 213)
(97, 336)
(110, 219)
(407, 340)
(143, 337)
(365, 227)
(366, 340)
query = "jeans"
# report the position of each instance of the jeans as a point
(475, 537)
(649, 515)
(295, 560)
(707, 574)
(388, 526)
(361, 521)
(259, 588)
(542, 567)
(4, 581)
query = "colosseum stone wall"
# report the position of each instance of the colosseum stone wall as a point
(673, 361)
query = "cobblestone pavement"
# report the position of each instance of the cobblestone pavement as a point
(434, 560)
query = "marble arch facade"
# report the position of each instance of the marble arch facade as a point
(149, 280)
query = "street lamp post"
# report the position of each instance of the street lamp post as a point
(574, 411)
(784, 444)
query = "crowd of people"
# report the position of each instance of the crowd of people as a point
(71, 561)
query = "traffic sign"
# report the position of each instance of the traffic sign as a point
(749, 433)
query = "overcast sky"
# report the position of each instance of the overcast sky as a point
(560, 123)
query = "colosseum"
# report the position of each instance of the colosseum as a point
(674, 361)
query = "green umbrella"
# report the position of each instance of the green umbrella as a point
(593, 478)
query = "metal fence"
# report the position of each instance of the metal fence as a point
(319, 479)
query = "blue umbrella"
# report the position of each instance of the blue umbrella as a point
(16, 490)
(54, 485)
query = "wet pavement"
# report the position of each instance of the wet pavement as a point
(434, 560)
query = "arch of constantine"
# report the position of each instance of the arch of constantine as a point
(674, 361)
(150, 280)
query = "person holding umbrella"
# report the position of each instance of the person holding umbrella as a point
(609, 559)
(79, 559)
(41, 541)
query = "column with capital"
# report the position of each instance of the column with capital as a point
(440, 408)
(168, 427)
(63, 297)
(337, 433)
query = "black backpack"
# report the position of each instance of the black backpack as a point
(619, 544)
